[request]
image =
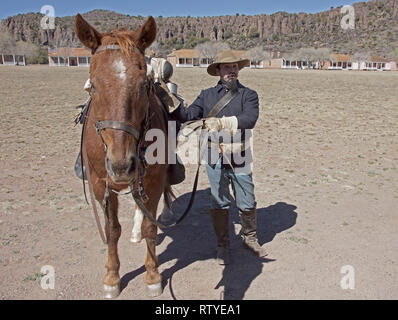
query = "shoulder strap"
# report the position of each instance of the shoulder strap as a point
(222, 103)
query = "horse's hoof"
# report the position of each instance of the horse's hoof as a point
(154, 290)
(136, 237)
(111, 292)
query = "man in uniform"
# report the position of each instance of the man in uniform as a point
(240, 113)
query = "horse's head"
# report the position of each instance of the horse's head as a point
(120, 91)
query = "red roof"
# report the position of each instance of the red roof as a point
(70, 52)
(342, 57)
(378, 59)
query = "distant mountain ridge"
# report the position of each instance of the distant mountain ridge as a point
(376, 29)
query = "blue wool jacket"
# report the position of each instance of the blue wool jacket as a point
(245, 107)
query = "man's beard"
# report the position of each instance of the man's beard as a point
(232, 84)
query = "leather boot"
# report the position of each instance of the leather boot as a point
(220, 220)
(249, 232)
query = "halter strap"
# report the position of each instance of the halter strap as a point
(113, 47)
(110, 47)
(117, 125)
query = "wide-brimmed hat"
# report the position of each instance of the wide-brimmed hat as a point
(226, 57)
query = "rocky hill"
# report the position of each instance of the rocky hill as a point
(376, 29)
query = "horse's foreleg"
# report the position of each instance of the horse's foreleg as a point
(152, 278)
(167, 216)
(113, 231)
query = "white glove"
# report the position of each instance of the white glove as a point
(228, 124)
(87, 85)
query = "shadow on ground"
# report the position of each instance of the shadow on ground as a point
(197, 231)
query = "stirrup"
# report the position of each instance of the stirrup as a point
(176, 173)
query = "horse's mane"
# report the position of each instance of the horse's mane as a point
(122, 37)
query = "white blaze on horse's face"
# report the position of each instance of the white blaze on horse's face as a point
(120, 69)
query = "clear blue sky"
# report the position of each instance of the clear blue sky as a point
(167, 8)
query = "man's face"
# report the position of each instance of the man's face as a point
(229, 72)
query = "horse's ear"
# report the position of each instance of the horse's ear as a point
(146, 34)
(90, 37)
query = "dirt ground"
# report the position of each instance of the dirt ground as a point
(326, 182)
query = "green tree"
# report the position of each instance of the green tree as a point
(394, 54)
(253, 33)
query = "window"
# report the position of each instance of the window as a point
(189, 61)
(181, 61)
(8, 58)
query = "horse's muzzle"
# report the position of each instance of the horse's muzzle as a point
(121, 172)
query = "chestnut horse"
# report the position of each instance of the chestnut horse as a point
(123, 107)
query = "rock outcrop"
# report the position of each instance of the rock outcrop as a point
(376, 29)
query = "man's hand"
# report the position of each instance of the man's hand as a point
(213, 124)
(229, 124)
(87, 85)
